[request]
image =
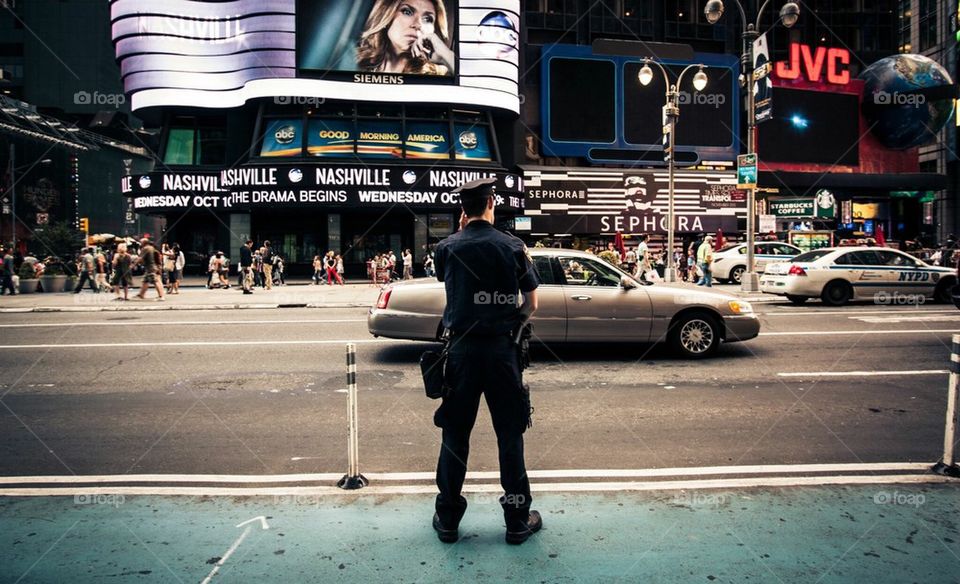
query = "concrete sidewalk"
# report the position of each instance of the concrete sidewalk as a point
(836, 534)
(195, 296)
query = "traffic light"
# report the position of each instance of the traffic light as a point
(85, 224)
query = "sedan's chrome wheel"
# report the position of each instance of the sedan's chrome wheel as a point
(696, 336)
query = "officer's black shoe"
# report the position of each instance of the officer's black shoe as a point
(443, 534)
(532, 525)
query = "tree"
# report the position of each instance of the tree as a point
(59, 240)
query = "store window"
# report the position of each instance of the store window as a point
(196, 141)
(179, 148)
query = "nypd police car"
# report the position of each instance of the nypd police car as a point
(730, 263)
(840, 274)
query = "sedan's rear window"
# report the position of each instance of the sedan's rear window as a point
(811, 256)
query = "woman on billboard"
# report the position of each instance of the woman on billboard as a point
(406, 36)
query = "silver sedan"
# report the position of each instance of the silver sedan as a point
(584, 299)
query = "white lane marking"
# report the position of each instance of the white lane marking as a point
(202, 344)
(849, 312)
(898, 319)
(386, 341)
(863, 373)
(860, 332)
(475, 475)
(236, 544)
(482, 488)
(179, 322)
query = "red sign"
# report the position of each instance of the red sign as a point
(812, 63)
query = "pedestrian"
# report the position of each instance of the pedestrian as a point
(278, 269)
(6, 274)
(480, 265)
(428, 265)
(151, 261)
(643, 259)
(267, 265)
(167, 253)
(317, 270)
(630, 261)
(340, 268)
(223, 268)
(100, 261)
(212, 277)
(373, 264)
(705, 261)
(407, 265)
(122, 272)
(176, 275)
(330, 263)
(392, 264)
(88, 271)
(246, 266)
(258, 267)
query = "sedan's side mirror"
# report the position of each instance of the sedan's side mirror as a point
(627, 283)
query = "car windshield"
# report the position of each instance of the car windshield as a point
(811, 256)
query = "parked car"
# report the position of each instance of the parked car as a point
(730, 263)
(838, 275)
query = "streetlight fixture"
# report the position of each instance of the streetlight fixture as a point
(789, 15)
(672, 112)
(13, 189)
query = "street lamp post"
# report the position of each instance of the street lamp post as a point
(789, 14)
(672, 111)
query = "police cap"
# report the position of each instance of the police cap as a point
(476, 189)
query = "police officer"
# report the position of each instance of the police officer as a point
(484, 272)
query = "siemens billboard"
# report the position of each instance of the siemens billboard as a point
(221, 54)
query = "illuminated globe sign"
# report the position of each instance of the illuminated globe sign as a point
(907, 99)
(221, 54)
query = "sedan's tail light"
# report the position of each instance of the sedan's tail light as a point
(384, 298)
(797, 271)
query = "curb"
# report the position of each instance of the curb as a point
(159, 308)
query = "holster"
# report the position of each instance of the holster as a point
(433, 369)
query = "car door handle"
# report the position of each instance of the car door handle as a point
(582, 297)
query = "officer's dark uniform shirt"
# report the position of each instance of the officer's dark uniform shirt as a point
(483, 271)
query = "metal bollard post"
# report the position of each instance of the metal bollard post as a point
(947, 465)
(353, 479)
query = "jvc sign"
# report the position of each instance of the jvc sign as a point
(814, 64)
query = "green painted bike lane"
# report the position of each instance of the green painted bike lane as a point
(885, 533)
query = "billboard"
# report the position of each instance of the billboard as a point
(372, 139)
(624, 124)
(221, 54)
(312, 186)
(631, 201)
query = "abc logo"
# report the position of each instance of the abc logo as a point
(468, 140)
(285, 135)
(336, 135)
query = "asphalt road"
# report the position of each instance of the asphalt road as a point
(262, 392)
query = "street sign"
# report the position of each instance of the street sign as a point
(747, 171)
(768, 223)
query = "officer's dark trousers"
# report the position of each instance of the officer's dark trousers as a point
(488, 366)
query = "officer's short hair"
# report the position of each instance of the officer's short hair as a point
(474, 195)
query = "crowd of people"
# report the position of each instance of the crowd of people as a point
(383, 268)
(267, 268)
(693, 264)
(112, 270)
(329, 265)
